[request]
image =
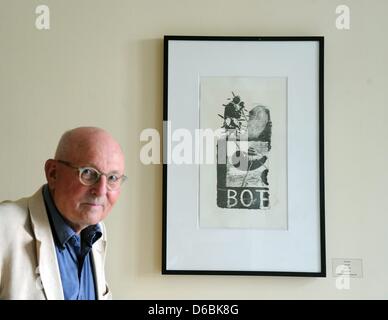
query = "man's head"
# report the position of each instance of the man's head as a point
(82, 205)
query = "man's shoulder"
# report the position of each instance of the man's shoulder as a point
(15, 222)
(15, 212)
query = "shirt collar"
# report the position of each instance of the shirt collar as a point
(61, 229)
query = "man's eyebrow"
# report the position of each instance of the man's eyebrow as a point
(115, 172)
(92, 165)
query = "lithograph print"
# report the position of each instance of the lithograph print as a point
(246, 186)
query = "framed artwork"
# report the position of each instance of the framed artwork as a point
(243, 172)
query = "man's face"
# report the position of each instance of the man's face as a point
(84, 205)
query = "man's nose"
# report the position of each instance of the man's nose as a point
(100, 188)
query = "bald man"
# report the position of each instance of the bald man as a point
(52, 245)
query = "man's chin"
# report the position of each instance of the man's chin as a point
(92, 215)
(91, 220)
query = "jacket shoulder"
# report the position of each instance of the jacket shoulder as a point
(15, 226)
(12, 212)
(15, 217)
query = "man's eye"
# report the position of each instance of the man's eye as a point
(113, 178)
(88, 173)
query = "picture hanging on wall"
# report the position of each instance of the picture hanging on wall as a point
(243, 172)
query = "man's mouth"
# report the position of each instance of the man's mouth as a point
(92, 204)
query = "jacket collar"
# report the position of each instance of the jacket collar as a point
(98, 254)
(45, 248)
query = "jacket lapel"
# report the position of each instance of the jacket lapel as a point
(45, 248)
(98, 252)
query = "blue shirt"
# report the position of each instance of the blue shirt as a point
(73, 253)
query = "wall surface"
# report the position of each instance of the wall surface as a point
(101, 64)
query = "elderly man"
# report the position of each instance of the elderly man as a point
(53, 243)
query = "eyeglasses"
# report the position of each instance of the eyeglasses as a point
(89, 176)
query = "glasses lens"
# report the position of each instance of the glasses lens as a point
(89, 176)
(114, 181)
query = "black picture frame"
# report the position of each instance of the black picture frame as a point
(174, 231)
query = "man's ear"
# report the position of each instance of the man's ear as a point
(50, 168)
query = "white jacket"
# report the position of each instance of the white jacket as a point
(28, 263)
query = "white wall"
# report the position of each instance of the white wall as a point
(101, 64)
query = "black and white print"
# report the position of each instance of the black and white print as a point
(247, 185)
(242, 180)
